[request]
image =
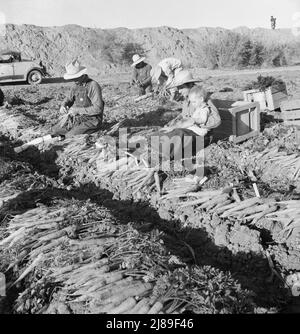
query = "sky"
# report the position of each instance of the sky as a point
(150, 13)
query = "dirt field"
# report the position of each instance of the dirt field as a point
(210, 263)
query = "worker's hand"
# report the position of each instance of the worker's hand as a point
(63, 110)
(173, 122)
(202, 132)
(7, 105)
(140, 84)
(167, 129)
(74, 111)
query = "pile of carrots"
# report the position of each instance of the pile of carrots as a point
(96, 265)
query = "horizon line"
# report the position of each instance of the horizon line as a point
(140, 28)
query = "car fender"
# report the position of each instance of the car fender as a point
(35, 69)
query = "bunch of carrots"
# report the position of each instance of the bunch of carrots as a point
(98, 266)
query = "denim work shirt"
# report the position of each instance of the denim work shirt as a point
(142, 75)
(87, 96)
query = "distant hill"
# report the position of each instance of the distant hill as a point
(105, 50)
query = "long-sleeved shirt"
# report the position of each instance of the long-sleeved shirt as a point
(142, 75)
(211, 113)
(170, 66)
(87, 96)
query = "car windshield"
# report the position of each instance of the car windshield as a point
(10, 58)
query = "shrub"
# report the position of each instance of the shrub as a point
(130, 49)
(262, 83)
(251, 54)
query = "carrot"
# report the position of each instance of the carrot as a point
(111, 283)
(78, 281)
(61, 271)
(156, 308)
(98, 289)
(114, 277)
(226, 207)
(53, 235)
(196, 202)
(220, 205)
(142, 303)
(291, 202)
(13, 235)
(93, 265)
(106, 291)
(148, 177)
(85, 275)
(29, 268)
(124, 306)
(104, 308)
(243, 205)
(134, 290)
(95, 286)
(113, 291)
(214, 201)
(292, 211)
(144, 310)
(94, 242)
(48, 247)
(15, 240)
(250, 211)
(140, 176)
(264, 213)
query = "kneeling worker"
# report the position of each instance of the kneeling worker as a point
(141, 76)
(83, 108)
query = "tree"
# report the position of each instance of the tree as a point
(257, 55)
(245, 54)
(130, 49)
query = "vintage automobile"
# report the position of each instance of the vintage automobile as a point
(14, 68)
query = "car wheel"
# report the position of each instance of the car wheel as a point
(34, 77)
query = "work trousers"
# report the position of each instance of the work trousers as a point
(83, 125)
(179, 144)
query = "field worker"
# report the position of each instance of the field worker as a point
(202, 116)
(83, 109)
(165, 72)
(183, 82)
(141, 76)
(198, 118)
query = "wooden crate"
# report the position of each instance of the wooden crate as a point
(240, 120)
(254, 95)
(270, 99)
(291, 115)
(291, 112)
(274, 97)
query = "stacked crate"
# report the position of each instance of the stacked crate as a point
(240, 120)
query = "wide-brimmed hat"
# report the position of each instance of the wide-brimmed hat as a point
(183, 77)
(137, 59)
(74, 70)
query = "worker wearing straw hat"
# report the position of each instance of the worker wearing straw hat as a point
(83, 109)
(198, 119)
(141, 76)
(164, 73)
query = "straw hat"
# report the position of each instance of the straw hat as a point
(183, 77)
(74, 70)
(137, 59)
